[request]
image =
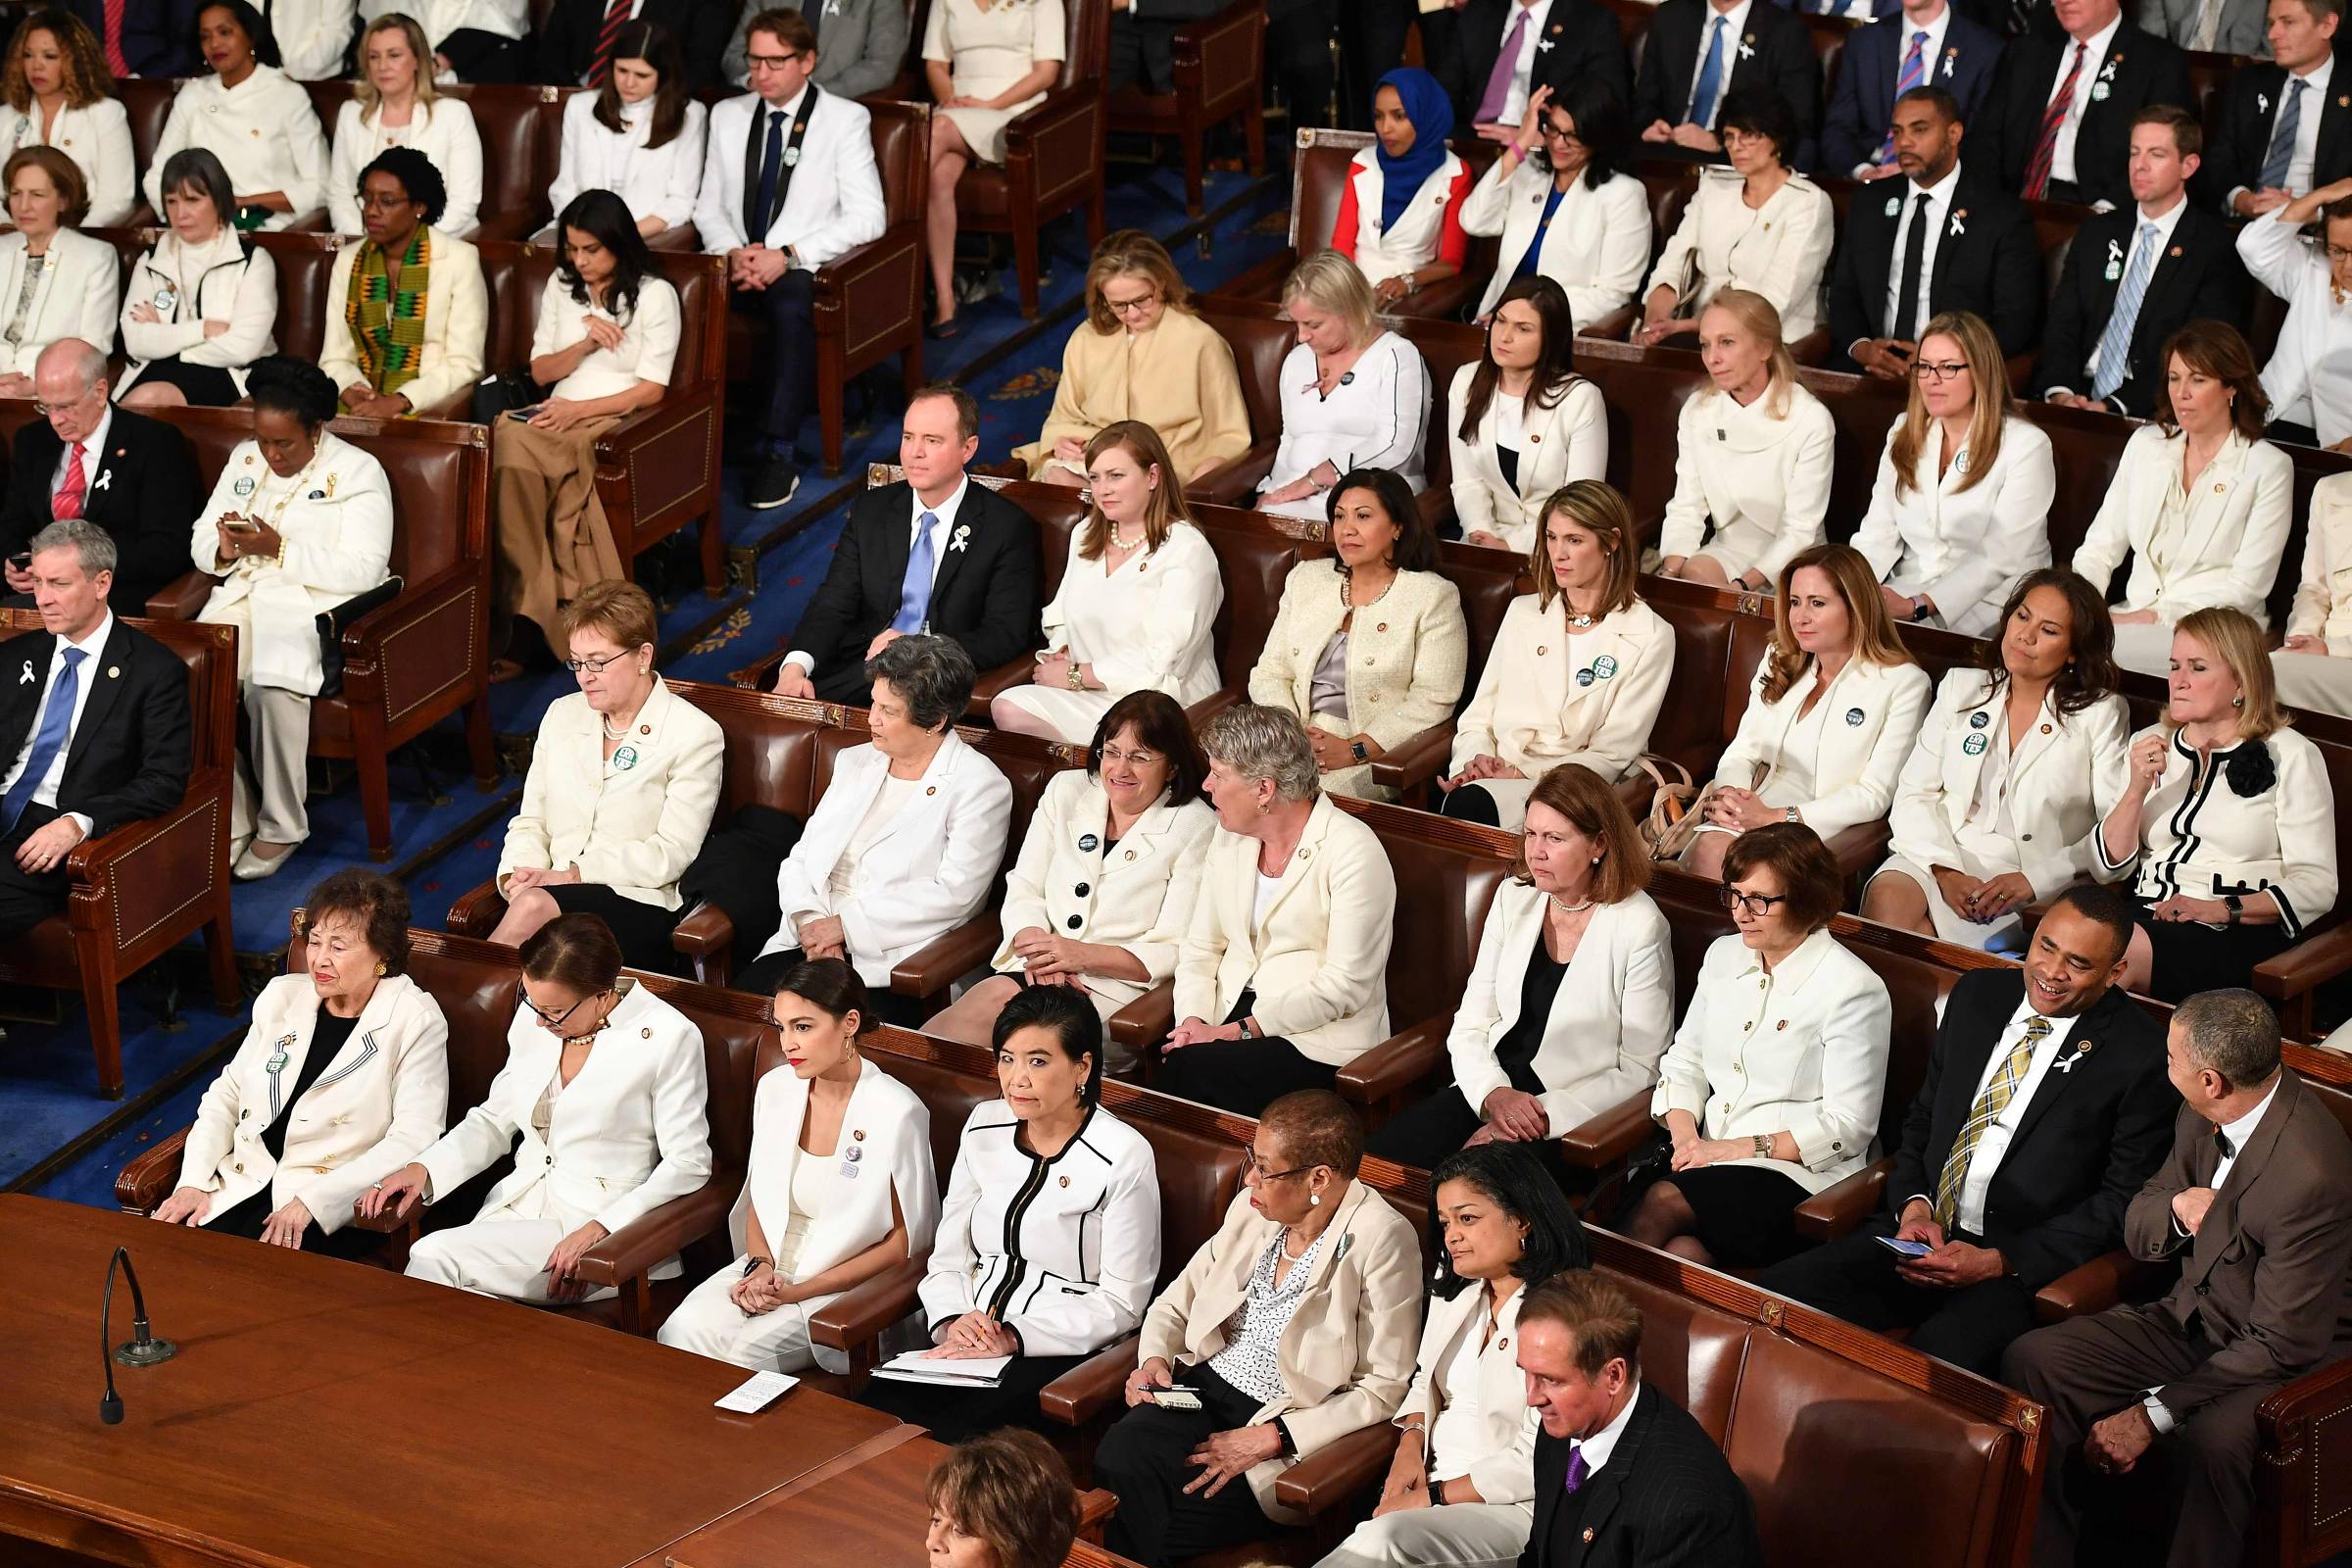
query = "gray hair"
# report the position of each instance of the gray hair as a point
(2233, 1032)
(93, 543)
(1269, 743)
(933, 674)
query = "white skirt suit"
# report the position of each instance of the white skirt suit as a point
(656, 181)
(1376, 418)
(1568, 440)
(373, 1109)
(1137, 895)
(1148, 626)
(265, 133)
(1549, 696)
(2217, 543)
(1597, 247)
(1965, 800)
(1964, 547)
(1406, 658)
(443, 131)
(986, 50)
(2323, 608)
(97, 137)
(877, 1177)
(1839, 765)
(625, 1136)
(224, 279)
(928, 872)
(1779, 250)
(80, 295)
(457, 325)
(1750, 489)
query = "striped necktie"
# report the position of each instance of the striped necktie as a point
(2282, 155)
(2045, 145)
(2115, 343)
(599, 66)
(1915, 66)
(1991, 1103)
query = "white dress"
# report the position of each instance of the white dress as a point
(443, 131)
(1376, 418)
(988, 50)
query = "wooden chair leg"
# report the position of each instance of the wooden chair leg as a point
(832, 399)
(98, 996)
(715, 554)
(221, 955)
(1028, 262)
(374, 768)
(1097, 224)
(1253, 133)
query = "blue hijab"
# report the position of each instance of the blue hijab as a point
(1431, 110)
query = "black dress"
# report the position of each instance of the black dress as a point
(1432, 1128)
(246, 1219)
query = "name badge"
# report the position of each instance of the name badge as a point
(167, 300)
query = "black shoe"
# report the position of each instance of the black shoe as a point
(770, 484)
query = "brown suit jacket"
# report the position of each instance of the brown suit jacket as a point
(2269, 1273)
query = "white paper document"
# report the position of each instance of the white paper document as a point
(756, 1392)
(920, 1366)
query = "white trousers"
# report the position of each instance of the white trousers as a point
(710, 1325)
(279, 763)
(1462, 1535)
(503, 1254)
(2318, 683)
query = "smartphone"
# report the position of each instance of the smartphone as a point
(21, 560)
(524, 415)
(1177, 1398)
(240, 524)
(1895, 1243)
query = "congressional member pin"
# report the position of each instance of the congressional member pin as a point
(316, 495)
(1853, 719)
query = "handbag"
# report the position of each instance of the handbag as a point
(496, 395)
(1674, 809)
(331, 623)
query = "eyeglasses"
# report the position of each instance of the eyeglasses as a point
(1251, 1165)
(773, 61)
(1568, 137)
(51, 409)
(1755, 904)
(554, 1021)
(1947, 371)
(1139, 757)
(1133, 307)
(2338, 256)
(594, 666)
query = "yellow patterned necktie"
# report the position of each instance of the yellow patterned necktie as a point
(1984, 1113)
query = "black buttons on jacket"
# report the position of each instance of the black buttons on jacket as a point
(1082, 890)
(1075, 922)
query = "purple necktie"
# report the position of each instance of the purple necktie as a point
(1576, 1470)
(1914, 66)
(1506, 66)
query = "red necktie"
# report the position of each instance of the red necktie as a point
(73, 488)
(2045, 145)
(600, 65)
(115, 60)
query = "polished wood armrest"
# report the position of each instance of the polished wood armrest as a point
(1616, 326)
(931, 968)
(1329, 1477)
(1611, 1136)
(991, 684)
(1235, 482)
(2307, 964)
(2304, 1434)
(1811, 349)
(143, 1184)
(2105, 1281)
(1216, 703)
(1413, 762)
(684, 238)
(1146, 1021)
(1398, 1065)
(406, 1217)
(853, 1321)
(1264, 280)
(476, 913)
(660, 1233)
(1089, 1387)
(1843, 1205)
(183, 598)
(706, 935)
(1443, 300)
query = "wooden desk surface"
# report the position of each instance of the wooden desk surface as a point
(322, 1414)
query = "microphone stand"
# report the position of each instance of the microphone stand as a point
(143, 1348)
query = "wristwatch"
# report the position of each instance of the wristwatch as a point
(1763, 1145)
(1249, 1030)
(1076, 678)
(2236, 905)
(1356, 749)
(1792, 816)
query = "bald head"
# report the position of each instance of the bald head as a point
(70, 365)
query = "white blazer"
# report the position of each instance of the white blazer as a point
(1803, 1053)
(1404, 662)
(2063, 777)
(663, 181)
(1779, 250)
(1872, 719)
(312, 36)
(226, 279)
(1743, 469)
(1596, 249)
(634, 824)
(1319, 961)
(1547, 698)
(1965, 548)
(2226, 548)
(380, 1101)
(631, 1131)
(928, 872)
(1610, 1019)
(1504, 1472)
(263, 131)
(457, 325)
(97, 137)
(1569, 440)
(1138, 897)
(2322, 605)
(1148, 626)
(80, 295)
(443, 131)
(1420, 228)
(835, 204)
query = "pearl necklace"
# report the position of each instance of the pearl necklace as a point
(1346, 588)
(1569, 909)
(1118, 540)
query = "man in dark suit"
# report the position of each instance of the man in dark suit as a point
(2060, 119)
(2135, 276)
(1298, 65)
(1624, 1477)
(1698, 48)
(1944, 238)
(1928, 44)
(1550, 43)
(2286, 126)
(2255, 1203)
(571, 41)
(128, 475)
(935, 554)
(144, 37)
(93, 725)
(1143, 40)
(2044, 1109)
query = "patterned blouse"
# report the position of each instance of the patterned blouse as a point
(1252, 1360)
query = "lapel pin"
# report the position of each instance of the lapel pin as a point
(859, 1134)
(27, 677)
(114, 673)
(2176, 253)
(931, 790)
(645, 730)
(2343, 101)
(2045, 729)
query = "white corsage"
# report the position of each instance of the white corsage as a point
(964, 537)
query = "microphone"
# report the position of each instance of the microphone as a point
(142, 1349)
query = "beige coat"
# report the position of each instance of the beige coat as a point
(1178, 379)
(1346, 1356)
(457, 325)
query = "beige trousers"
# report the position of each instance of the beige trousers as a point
(278, 769)
(552, 537)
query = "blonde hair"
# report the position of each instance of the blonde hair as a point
(1131, 253)
(363, 88)
(1987, 374)
(1167, 506)
(1331, 280)
(2233, 636)
(1848, 572)
(1596, 507)
(1759, 318)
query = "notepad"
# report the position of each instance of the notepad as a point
(920, 1366)
(756, 1392)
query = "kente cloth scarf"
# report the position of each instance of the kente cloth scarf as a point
(388, 328)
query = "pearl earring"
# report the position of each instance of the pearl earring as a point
(1313, 1199)
(2237, 702)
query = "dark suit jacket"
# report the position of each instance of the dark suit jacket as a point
(2269, 1274)
(1862, 103)
(1579, 39)
(2198, 276)
(159, 36)
(143, 492)
(129, 757)
(1667, 1499)
(2146, 70)
(1992, 266)
(567, 40)
(2249, 114)
(1142, 49)
(2095, 1129)
(985, 596)
(1782, 61)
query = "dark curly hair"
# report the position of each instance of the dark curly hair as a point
(375, 902)
(293, 386)
(2090, 672)
(1511, 1177)
(417, 176)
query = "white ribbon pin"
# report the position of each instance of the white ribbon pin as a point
(964, 536)
(1957, 228)
(26, 678)
(1747, 52)
(105, 477)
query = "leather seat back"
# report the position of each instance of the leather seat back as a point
(1259, 336)
(513, 123)
(1254, 559)
(1751, 641)
(1690, 723)
(1318, 176)
(516, 276)
(1643, 393)
(147, 104)
(306, 264)
(1445, 347)
(771, 756)
(1443, 886)
(1916, 987)
(1488, 581)
(902, 138)
(1693, 1351)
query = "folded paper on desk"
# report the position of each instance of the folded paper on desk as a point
(756, 1392)
(920, 1366)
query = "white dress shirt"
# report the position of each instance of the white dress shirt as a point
(93, 448)
(1734, 28)
(2307, 127)
(2061, 152)
(2309, 378)
(1939, 216)
(661, 181)
(1984, 1161)
(45, 792)
(2164, 222)
(1522, 69)
(942, 519)
(1598, 1447)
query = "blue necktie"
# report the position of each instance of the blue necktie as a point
(2281, 156)
(771, 169)
(1710, 78)
(2115, 344)
(56, 723)
(914, 594)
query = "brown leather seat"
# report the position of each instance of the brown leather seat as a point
(521, 129)
(1219, 72)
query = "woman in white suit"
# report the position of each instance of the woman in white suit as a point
(606, 1088)
(392, 105)
(1355, 395)
(1758, 226)
(60, 94)
(1135, 611)
(389, 364)
(299, 523)
(1282, 979)
(907, 841)
(55, 281)
(1521, 421)
(1369, 646)
(1577, 672)
(256, 120)
(1961, 509)
(2014, 769)
(1570, 1001)
(1566, 208)
(1049, 1245)
(640, 135)
(1773, 1086)
(1104, 890)
(202, 305)
(1831, 713)
(1461, 1487)
(2200, 500)
(343, 1078)
(624, 777)
(805, 1227)
(2314, 665)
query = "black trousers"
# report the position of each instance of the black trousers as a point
(642, 929)
(1142, 1461)
(478, 55)
(954, 1414)
(1242, 1076)
(1299, 59)
(789, 308)
(27, 898)
(1470, 803)
(844, 681)
(1853, 1278)
(248, 1218)
(1426, 1131)
(736, 870)
(1373, 44)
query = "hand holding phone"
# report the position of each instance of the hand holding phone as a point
(1895, 1243)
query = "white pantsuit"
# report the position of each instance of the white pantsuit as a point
(1750, 487)
(1564, 440)
(1779, 250)
(625, 1136)
(1596, 247)
(1840, 763)
(97, 137)
(265, 133)
(878, 1177)
(1965, 548)
(2323, 609)
(443, 131)
(1148, 627)
(222, 279)
(656, 181)
(457, 325)
(1376, 418)
(79, 295)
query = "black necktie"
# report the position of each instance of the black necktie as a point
(771, 169)
(2221, 1141)
(1904, 328)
